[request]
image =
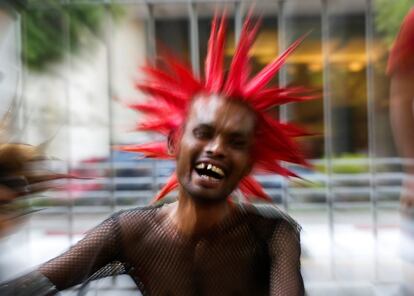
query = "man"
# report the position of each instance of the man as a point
(401, 72)
(218, 131)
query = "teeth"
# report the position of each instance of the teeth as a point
(201, 166)
(210, 167)
(217, 170)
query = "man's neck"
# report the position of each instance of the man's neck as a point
(191, 217)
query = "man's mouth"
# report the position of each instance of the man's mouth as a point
(206, 169)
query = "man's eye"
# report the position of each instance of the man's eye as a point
(201, 134)
(238, 144)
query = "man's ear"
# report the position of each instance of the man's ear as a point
(171, 144)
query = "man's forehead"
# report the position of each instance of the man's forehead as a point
(205, 108)
(215, 109)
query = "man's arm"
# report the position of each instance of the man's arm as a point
(99, 247)
(402, 119)
(284, 248)
(33, 283)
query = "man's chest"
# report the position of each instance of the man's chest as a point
(233, 260)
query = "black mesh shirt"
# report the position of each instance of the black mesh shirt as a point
(254, 251)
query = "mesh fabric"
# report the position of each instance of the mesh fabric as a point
(251, 252)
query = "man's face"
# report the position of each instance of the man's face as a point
(214, 150)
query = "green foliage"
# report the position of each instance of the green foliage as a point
(50, 30)
(389, 15)
(347, 163)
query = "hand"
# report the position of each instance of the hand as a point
(22, 173)
(407, 195)
(7, 221)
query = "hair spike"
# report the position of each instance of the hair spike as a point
(214, 75)
(272, 97)
(173, 87)
(267, 73)
(250, 187)
(169, 186)
(157, 150)
(240, 68)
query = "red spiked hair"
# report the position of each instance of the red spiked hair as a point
(172, 90)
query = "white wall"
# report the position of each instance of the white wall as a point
(10, 66)
(69, 104)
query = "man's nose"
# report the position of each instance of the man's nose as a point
(216, 147)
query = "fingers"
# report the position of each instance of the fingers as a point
(7, 195)
(24, 170)
(48, 176)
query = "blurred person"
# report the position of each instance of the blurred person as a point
(24, 169)
(401, 71)
(24, 172)
(219, 131)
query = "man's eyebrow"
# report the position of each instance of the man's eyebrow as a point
(232, 133)
(238, 134)
(204, 125)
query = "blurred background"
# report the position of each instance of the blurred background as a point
(69, 67)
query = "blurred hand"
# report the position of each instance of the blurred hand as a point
(7, 220)
(407, 195)
(20, 176)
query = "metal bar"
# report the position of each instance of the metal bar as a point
(327, 114)
(194, 38)
(17, 112)
(281, 47)
(109, 31)
(20, 64)
(238, 20)
(44, 5)
(283, 111)
(151, 53)
(372, 131)
(126, 2)
(68, 67)
(151, 46)
(19, 120)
